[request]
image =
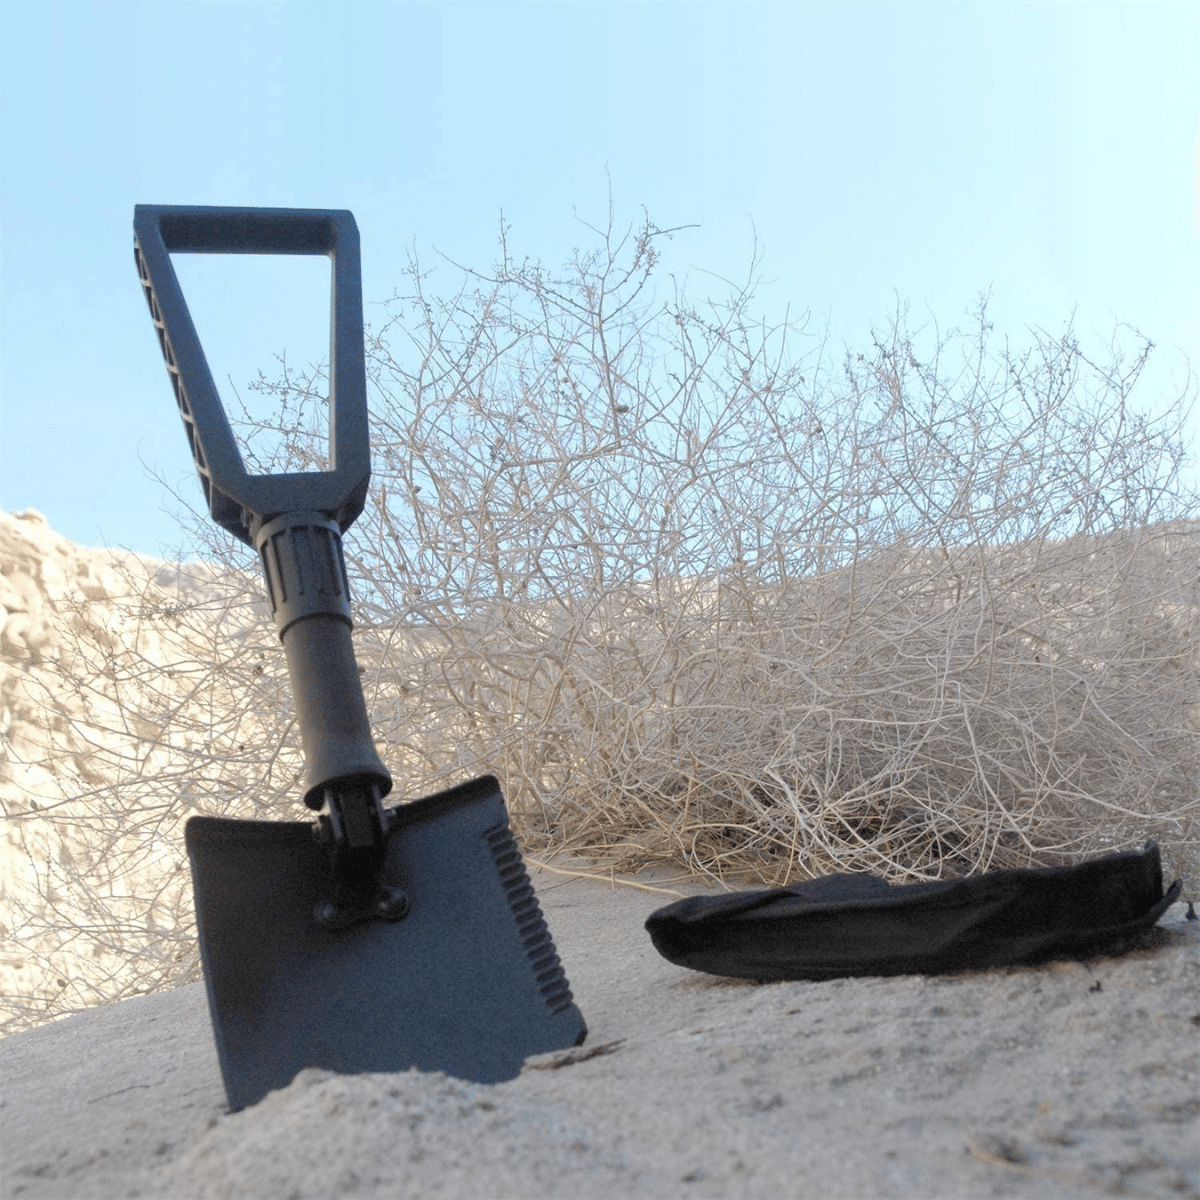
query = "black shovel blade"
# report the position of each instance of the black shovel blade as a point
(468, 983)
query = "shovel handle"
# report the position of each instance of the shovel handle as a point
(238, 500)
(294, 521)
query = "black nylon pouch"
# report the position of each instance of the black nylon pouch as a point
(843, 925)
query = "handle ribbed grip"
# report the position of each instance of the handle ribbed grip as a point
(303, 567)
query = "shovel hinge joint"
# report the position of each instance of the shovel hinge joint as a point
(354, 831)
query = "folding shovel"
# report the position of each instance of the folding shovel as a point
(372, 938)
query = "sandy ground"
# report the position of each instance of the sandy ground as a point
(1072, 1079)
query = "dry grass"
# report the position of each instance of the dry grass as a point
(700, 593)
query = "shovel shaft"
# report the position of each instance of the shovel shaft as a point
(305, 575)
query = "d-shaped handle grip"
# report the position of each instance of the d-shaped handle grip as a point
(238, 500)
(294, 521)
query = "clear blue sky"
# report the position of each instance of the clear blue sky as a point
(1050, 152)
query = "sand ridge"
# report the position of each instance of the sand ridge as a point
(1070, 1079)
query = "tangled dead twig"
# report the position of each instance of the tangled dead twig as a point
(696, 596)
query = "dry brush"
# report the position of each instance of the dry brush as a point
(703, 592)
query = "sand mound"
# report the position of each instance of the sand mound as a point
(1066, 1080)
(102, 652)
(135, 693)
